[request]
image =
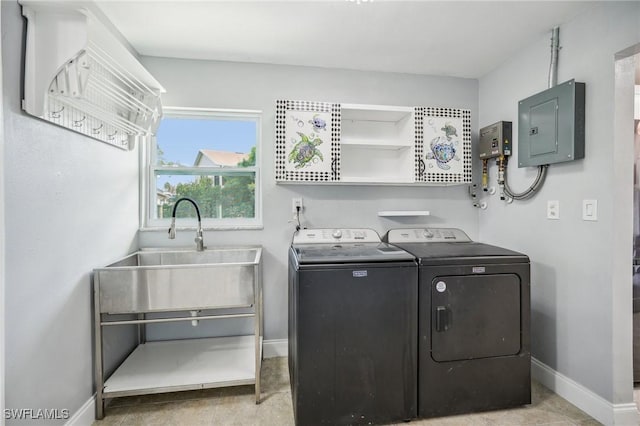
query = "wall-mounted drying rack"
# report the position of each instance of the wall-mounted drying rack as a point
(80, 74)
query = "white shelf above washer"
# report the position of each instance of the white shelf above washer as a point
(401, 213)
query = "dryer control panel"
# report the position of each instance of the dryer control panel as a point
(427, 235)
(334, 235)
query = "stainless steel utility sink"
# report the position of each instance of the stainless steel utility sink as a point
(157, 280)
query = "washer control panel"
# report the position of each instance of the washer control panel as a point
(427, 235)
(334, 235)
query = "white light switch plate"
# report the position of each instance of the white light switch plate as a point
(590, 210)
(553, 209)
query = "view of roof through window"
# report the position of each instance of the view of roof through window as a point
(204, 142)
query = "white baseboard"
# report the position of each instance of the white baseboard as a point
(605, 412)
(625, 414)
(85, 416)
(275, 348)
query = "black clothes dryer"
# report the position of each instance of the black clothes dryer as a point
(352, 328)
(473, 322)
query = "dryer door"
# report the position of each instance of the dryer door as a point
(475, 316)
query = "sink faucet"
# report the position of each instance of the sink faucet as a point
(172, 229)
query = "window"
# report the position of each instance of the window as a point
(212, 157)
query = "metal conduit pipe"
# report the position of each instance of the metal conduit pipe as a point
(553, 80)
(555, 49)
(542, 173)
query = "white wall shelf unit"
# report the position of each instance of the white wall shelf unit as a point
(372, 144)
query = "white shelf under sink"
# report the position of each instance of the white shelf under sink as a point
(188, 363)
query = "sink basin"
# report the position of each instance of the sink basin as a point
(154, 257)
(158, 280)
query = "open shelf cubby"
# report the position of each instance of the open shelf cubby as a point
(377, 143)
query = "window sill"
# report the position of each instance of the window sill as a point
(204, 228)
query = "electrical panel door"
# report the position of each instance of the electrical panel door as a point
(551, 125)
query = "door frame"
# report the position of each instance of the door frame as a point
(625, 64)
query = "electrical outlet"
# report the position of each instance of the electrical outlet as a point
(553, 209)
(295, 203)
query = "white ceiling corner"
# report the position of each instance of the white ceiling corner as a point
(453, 38)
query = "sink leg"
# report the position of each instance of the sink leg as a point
(99, 407)
(258, 366)
(98, 367)
(142, 330)
(257, 323)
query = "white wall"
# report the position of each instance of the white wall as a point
(254, 86)
(577, 307)
(71, 204)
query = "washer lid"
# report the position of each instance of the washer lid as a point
(462, 253)
(349, 253)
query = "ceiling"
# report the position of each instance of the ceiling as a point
(452, 38)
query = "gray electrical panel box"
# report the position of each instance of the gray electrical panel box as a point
(551, 125)
(495, 140)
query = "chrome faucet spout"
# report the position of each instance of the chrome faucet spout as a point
(199, 240)
(172, 229)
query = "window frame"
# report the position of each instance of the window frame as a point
(149, 185)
